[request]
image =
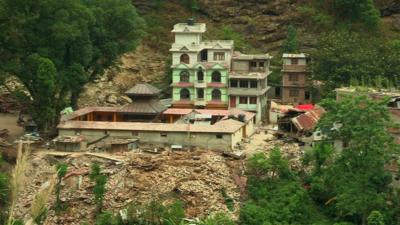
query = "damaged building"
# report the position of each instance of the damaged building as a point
(209, 74)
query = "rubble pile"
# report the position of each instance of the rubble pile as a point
(196, 178)
(289, 149)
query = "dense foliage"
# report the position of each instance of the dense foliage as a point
(353, 183)
(275, 194)
(54, 47)
(346, 58)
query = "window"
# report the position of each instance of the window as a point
(244, 84)
(277, 91)
(293, 93)
(253, 64)
(219, 56)
(216, 94)
(184, 94)
(135, 133)
(234, 83)
(253, 84)
(184, 76)
(307, 95)
(261, 64)
(243, 100)
(294, 61)
(200, 74)
(293, 77)
(204, 55)
(185, 58)
(163, 134)
(219, 136)
(216, 77)
(253, 100)
(200, 93)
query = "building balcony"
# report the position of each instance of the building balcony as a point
(247, 107)
(294, 68)
(200, 84)
(183, 103)
(200, 102)
(216, 104)
(246, 91)
(216, 85)
(182, 84)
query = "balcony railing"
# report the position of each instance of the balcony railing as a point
(295, 68)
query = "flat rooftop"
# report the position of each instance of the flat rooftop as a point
(299, 55)
(186, 28)
(224, 126)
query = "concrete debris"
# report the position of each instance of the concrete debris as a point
(196, 178)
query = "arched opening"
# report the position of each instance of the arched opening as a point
(216, 95)
(185, 58)
(184, 76)
(216, 77)
(204, 55)
(184, 94)
(200, 74)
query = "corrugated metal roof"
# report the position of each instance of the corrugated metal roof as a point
(308, 120)
(143, 89)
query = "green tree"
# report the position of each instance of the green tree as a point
(357, 11)
(356, 182)
(61, 169)
(375, 218)
(290, 43)
(58, 46)
(99, 188)
(342, 57)
(275, 194)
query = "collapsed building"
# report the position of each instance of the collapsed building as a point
(296, 121)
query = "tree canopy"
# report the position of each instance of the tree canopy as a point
(355, 181)
(345, 58)
(54, 47)
(290, 44)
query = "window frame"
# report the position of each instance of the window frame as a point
(253, 100)
(219, 56)
(292, 91)
(243, 98)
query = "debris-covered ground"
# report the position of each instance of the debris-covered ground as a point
(196, 178)
(264, 141)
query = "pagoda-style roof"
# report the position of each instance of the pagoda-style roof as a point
(152, 106)
(143, 90)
